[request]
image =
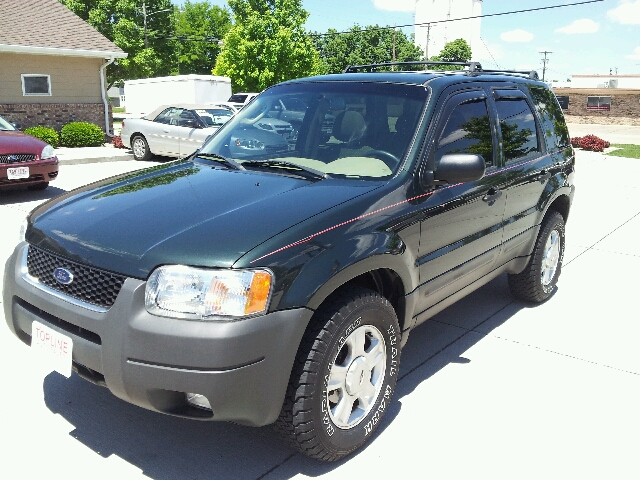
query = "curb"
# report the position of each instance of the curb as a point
(81, 160)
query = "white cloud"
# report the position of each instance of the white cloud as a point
(395, 5)
(583, 25)
(627, 13)
(635, 55)
(516, 36)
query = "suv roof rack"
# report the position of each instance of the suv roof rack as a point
(473, 68)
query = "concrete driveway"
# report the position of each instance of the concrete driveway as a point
(489, 388)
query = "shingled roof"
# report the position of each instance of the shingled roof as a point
(48, 27)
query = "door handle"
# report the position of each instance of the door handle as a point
(491, 196)
(544, 176)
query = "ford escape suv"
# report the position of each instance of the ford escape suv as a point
(265, 279)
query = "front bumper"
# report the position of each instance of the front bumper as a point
(39, 171)
(241, 367)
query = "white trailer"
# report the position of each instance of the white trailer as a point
(144, 95)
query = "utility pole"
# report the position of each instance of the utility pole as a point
(144, 19)
(393, 68)
(545, 60)
(426, 49)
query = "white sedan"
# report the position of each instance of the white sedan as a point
(172, 130)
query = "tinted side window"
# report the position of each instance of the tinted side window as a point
(188, 119)
(467, 131)
(518, 125)
(554, 128)
(164, 117)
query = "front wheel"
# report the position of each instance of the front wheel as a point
(344, 376)
(539, 278)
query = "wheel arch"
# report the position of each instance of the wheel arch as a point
(562, 205)
(384, 281)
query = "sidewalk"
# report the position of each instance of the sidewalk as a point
(625, 134)
(106, 153)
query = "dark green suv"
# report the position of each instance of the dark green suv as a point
(274, 279)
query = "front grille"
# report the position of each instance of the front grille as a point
(17, 157)
(91, 285)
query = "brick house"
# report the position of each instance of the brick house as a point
(52, 66)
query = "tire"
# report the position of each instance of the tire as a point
(539, 278)
(140, 148)
(353, 344)
(38, 186)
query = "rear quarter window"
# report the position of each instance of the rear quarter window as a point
(554, 128)
(518, 127)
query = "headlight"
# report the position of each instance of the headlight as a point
(47, 152)
(197, 293)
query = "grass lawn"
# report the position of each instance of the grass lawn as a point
(117, 109)
(628, 151)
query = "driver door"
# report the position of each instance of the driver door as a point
(461, 230)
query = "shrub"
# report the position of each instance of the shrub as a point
(117, 141)
(81, 134)
(590, 142)
(48, 135)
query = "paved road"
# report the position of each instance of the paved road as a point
(489, 388)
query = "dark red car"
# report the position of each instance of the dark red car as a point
(25, 160)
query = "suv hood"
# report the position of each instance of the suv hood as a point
(185, 213)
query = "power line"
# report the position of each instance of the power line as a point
(428, 24)
(463, 18)
(491, 54)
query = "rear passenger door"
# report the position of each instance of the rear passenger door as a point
(526, 168)
(461, 230)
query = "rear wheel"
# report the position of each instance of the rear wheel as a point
(140, 148)
(344, 376)
(537, 281)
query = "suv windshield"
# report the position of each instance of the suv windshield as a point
(349, 130)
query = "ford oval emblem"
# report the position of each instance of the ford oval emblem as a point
(63, 276)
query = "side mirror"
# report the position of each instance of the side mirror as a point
(17, 125)
(459, 167)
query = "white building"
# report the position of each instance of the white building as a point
(436, 24)
(628, 81)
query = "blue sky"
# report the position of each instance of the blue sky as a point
(585, 39)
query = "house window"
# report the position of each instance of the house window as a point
(33, 84)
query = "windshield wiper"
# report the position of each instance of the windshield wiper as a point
(220, 159)
(292, 168)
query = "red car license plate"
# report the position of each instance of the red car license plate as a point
(18, 172)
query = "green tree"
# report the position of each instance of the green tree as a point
(200, 28)
(456, 51)
(365, 46)
(122, 22)
(266, 45)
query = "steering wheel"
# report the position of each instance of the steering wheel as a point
(389, 159)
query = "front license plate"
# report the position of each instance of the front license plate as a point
(18, 172)
(54, 348)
